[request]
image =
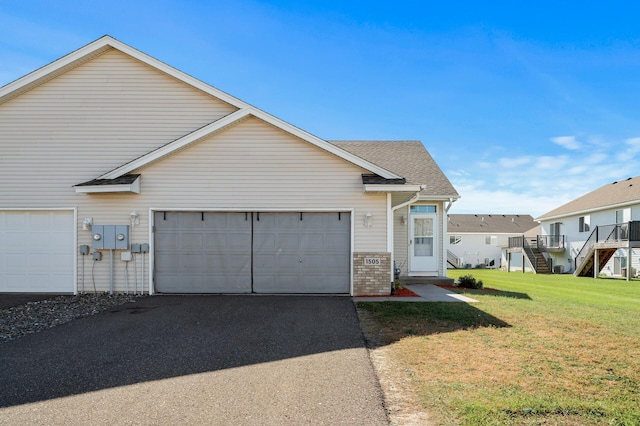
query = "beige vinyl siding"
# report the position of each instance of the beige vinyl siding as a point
(247, 167)
(113, 109)
(253, 166)
(96, 117)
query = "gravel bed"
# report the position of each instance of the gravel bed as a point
(33, 317)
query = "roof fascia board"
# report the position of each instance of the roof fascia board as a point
(92, 189)
(427, 197)
(153, 62)
(108, 41)
(231, 119)
(391, 188)
(321, 143)
(581, 212)
(177, 144)
(43, 72)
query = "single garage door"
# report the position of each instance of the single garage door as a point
(252, 252)
(37, 251)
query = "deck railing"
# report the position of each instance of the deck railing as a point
(619, 232)
(541, 242)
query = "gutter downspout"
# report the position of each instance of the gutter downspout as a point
(449, 204)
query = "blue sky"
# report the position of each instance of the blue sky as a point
(524, 107)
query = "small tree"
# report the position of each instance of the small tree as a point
(468, 281)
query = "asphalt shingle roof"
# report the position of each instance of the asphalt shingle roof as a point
(122, 180)
(619, 192)
(409, 159)
(490, 223)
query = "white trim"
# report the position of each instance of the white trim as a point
(152, 210)
(106, 42)
(28, 209)
(390, 230)
(586, 211)
(371, 187)
(234, 118)
(255, 210)
(352, 251)
(426, 198)
(152, 251)
(91, 189)
(102, 44)
(75, 250)
(169, 148)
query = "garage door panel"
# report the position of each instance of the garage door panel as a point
(191, 241)
(219, 263)
(296, 261)
(212, 252)
(189, 262)
(15, 240)
(37, 252)
(287, 252)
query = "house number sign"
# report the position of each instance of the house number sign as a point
(372, 261)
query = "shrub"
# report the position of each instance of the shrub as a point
(468, 281)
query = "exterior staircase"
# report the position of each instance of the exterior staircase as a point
(585, 269)
(537, 259)
(453, 260)
(605, 240)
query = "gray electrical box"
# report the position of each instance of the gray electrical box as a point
(84, 249)
(144, 247)
(135, 248)
(110, 237)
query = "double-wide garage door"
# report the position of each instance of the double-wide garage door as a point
(37, 251)
(252, 252)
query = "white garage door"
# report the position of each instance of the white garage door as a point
(252, 252)
(36, 252)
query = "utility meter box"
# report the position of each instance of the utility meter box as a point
(110, 237)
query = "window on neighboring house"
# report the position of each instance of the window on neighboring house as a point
(623, 215)
(491, 240)
(584, 223)
(455, 239)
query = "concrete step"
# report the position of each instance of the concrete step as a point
(426, 280)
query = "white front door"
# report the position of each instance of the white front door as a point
(423, 240)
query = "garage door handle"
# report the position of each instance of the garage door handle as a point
(300, 260)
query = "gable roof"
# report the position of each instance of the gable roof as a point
(616, 194)
(409, 159)
(106, 42)
(490, 223)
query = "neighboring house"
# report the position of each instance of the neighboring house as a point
(595, 233)
(121, 173)
(478, 239)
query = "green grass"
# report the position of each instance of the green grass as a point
(536, 349)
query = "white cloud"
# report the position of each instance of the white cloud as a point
(510, 163)
(536, 184)
(567, 142)
(633, 148)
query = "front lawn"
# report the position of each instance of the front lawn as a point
(536, 349)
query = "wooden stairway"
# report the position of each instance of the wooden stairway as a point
(538, 261)
(585, 269)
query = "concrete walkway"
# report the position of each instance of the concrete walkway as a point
(427, 293)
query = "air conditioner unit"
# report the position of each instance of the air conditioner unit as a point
(558, 269)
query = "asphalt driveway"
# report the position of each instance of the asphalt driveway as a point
(196, 360)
